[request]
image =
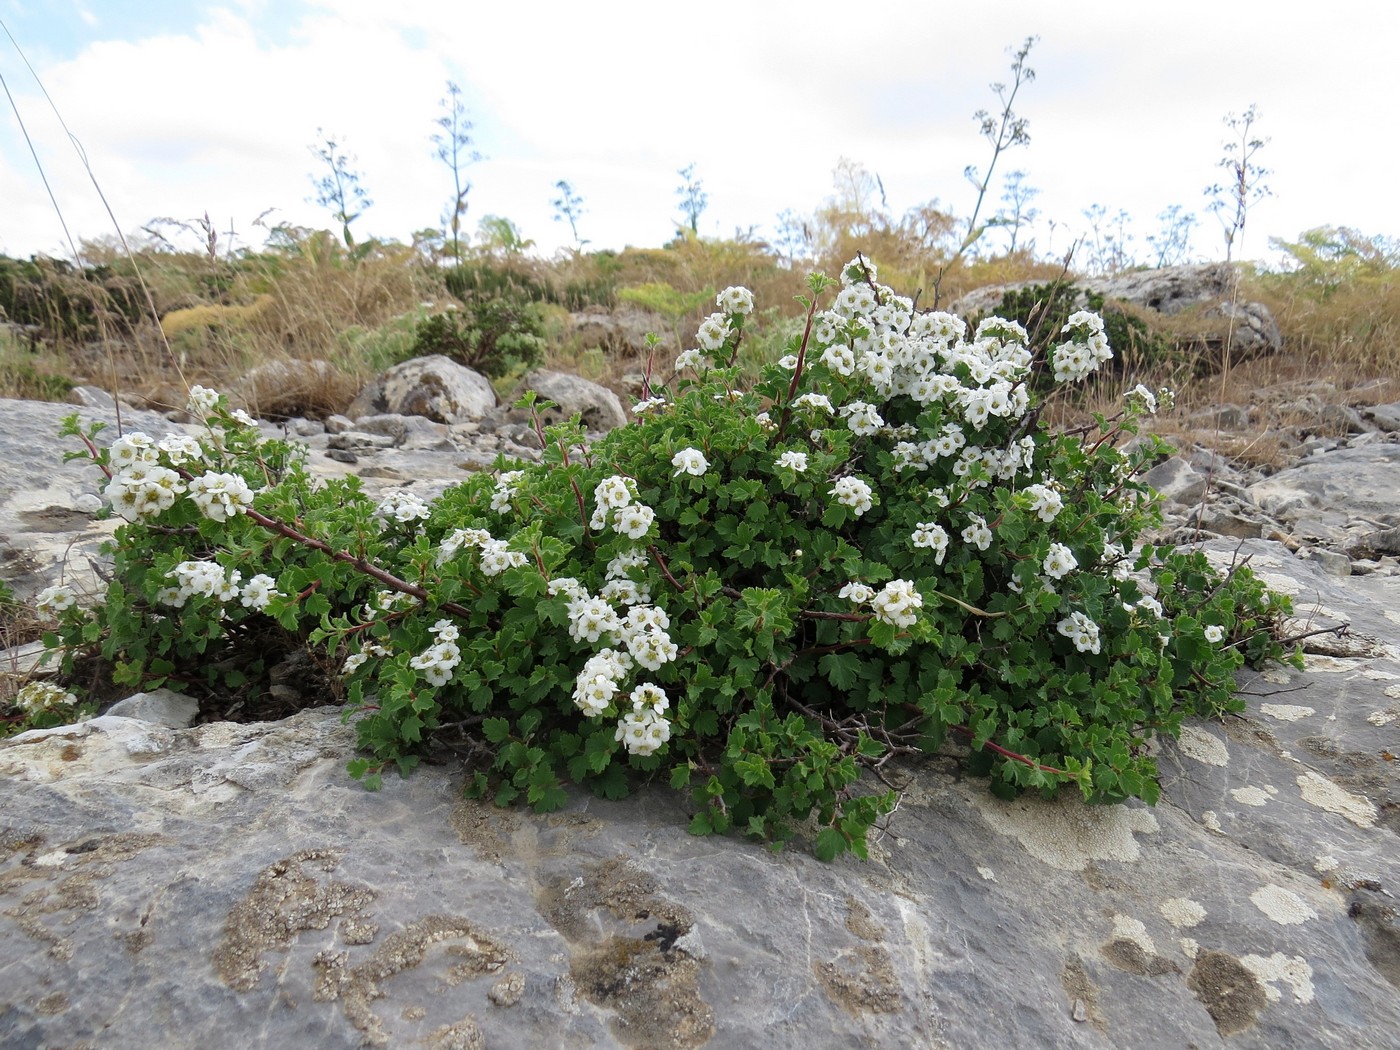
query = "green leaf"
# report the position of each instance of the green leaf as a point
(830, 844)
(496, 730)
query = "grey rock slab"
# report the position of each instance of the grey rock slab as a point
(47, 528)
(1252, 907)
(1387, 417)
(1360, 482)
(163, 707)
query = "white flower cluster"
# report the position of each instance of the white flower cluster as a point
(651, 404)
(437, 662)
(978, 534)
(735, 300)
(401, 506)
(208, 579)
(1079, 356)
(895, 603)
(221, 496)
(692, 358)
(54, 601)
(506, 490)
(931, 536)
(495, 555)
(36, 698)
(356, 660)
(637, 638)
(140, 486)
(202, 402)
(1045, 502)
(645, 727)
(853, 493)
(1081, 630)
(616, 505)
(690, 461)
(862, 418)
(794, 461)
(1060, 562)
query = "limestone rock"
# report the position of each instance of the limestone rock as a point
(163, 707)
(436, 387)
(621, 331)
(1255, 903)
(1205, 291)
(597, 406)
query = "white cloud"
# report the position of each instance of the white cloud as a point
(764, 98)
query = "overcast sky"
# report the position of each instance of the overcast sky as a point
(183, 107)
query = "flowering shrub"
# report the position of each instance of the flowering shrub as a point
(754, 593)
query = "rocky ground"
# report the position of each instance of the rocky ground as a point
(162, 884)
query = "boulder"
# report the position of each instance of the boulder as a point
(598, 407)
(1206, 292)
(229, 885)
(621, 331)
(436, 387)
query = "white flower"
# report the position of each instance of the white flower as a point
(591, 619)
(645, 618)
(977, 534)
(857, 593)
(648, 696)
(931, 536)
(642, 732)
(242, 417)
(1059, 562)
(853, 493)
(1147, 398)
(36, 698)
(220, 496)
(896, 602)
(690, 461)
(132, 448)
(567, 586)
(353, 663)
(496, 558)
(692, 358)
(1083, 631)
(505, 490)
(437, 661)
(458, 539)
(1214, 633)
(735, 300)
(862, 418)
(622, 564)
(258, 591)
(1045, 502)
(615, 491)
(401, 506)
(796, 461)
(649, 404)
(1153, 606)
(445, 631)
(180, 449)
(202, 401)
(53, 601)
(840, 359)
(713, 331)
(625, 592)
(634, 521)
(820, 401)
(651, 648)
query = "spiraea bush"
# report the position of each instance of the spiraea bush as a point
(754, 593)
